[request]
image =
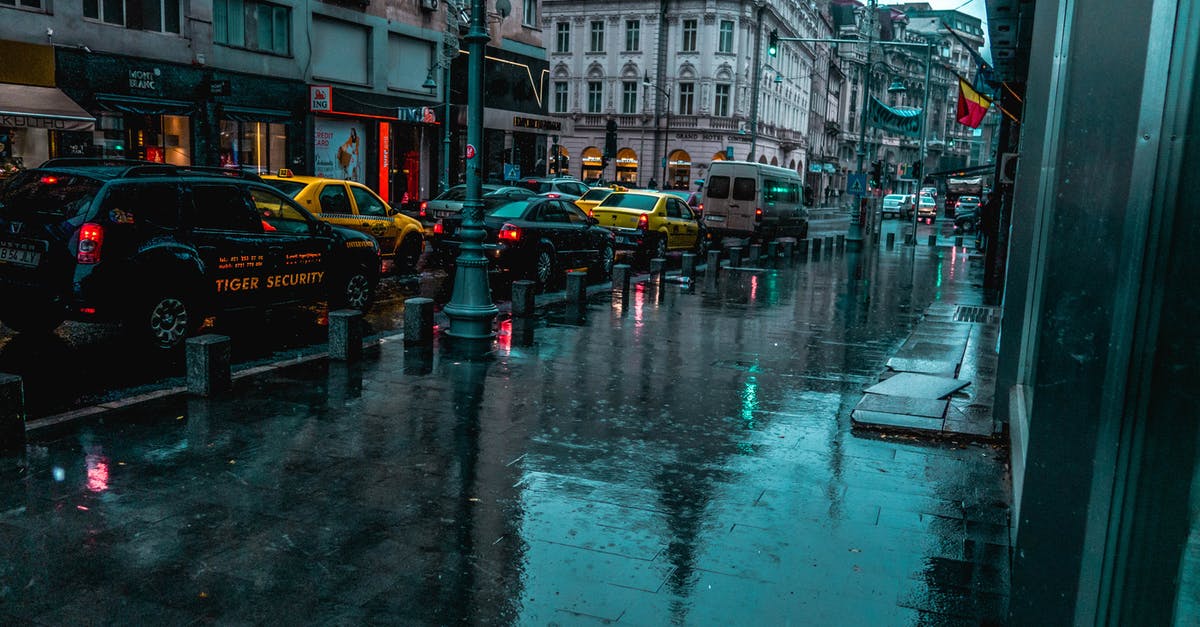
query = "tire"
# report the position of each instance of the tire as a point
(604, 265)
(33, 320)
(702, 246)
(542, 270)
(660, 248)
(355, 291)
(408, 255)
(165, 320)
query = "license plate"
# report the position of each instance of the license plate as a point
(714, 218)
(19, 254)
(625, 239)
(443, 214)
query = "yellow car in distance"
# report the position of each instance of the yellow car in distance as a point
(589, 200)
(651, 223)
(355, 206)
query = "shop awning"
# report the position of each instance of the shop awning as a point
(255, 114)
(144, 106)
(26, 106)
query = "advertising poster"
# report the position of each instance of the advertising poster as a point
(338, 149)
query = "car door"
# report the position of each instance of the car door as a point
(229, 236)
(555, 225)
(333, 201)
(691, 225)
(299, 257)
(373, 217)
(678, 235)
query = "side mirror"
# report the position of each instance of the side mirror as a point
(324, 228)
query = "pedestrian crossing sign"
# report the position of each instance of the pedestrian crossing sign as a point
(856, 184)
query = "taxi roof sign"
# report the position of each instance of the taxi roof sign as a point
(285, 173)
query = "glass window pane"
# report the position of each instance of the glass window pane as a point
(171, 22)
(91, 8)
(152, 15)
(114, 11)
(282, 29)
(236, 23)
(278, 147)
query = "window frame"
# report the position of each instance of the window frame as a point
(721, 99)
(633, 35)
(596, 91)
(725, 37)
(687, 93)
(562, 37)
(629, 97)
(562, 96)
(530, 13)
(596, 36)
(220, 32)
(101, 15)
(688, 35)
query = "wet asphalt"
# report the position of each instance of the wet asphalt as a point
(681, 457)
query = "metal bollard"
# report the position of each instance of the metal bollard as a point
(958, 241)
(828, 246)
(803, 246)
(735, 256)
(620, 279)
(772, 250)
(687, 268)
(523, 292)
(789, 249)
(12, 414)
(208, 365)
(712, 265)
(658, 268)
(816, 249)
(755, 250)
(418, 320)
(840, 241)
(891, 241)
(345, 334)
(576, 286)
(933, 239)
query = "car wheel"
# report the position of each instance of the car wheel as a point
(702, 245)
(604, 264)
(166, 320)
(660, 248)
(543, 267)
(355, 291)
(408, 255)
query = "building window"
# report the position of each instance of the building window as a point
(261, 145)
(560, 97)
(725, 44)
(597, 37)
(563, 37)
(163, 16)
(633, 35)
(721, 103)
(689, 36)
(28, 4)
(253, 25)
(629, 97)
(595, 96)
(531, 10)
(687, 98)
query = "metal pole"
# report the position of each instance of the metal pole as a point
(754, 84)
(666, 138)
(471, 309)
(854, 233)
(924, 135)
(445, 182)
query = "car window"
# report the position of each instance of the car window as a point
(673, 208)
(61, 195)
(640, 202)
(223, 207)
(552, 212)
(574, 215)
(333, 199)
(717, 187)
(454, 193)
(513, 210)
(291, 188)
(152, 205)
(368, 204)
(685, 211)
(595, 194)
(743, 188)
(277, 213)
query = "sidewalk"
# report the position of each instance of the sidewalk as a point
(685, 457)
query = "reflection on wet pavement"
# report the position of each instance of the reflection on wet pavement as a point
(681, 458)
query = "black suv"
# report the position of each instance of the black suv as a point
(159, 247)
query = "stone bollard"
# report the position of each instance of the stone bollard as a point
(910, 237)
(576, 286)
(658, 268)
(958, 241)
(207, 359)
(687, 267)
(891, 241)
(840, 240)
(828, 246)
(772, 250)
(735, 256)
(816, 249)
(712, 265)
(933, 239)
(523, 292)
(620, 279)
(418, 320)
(803, 246)
(789, 249)
(12, 414)
(755, 250)
(345, 334)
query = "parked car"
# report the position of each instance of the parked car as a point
(534, 237)
(927, 209)
(651, 223)
(355, 206)
(899, 205)
(451, 201)
(748, 201)
(556, 187)
(158, 248)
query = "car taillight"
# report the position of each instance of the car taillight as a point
(424, 206)
(592, 212)
(758, 214)
(49, 180)
(643, 222)
(438, 229)
(700, 208)
(91, 236)
(553, 195)
(510, 233)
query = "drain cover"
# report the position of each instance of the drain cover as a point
(967, 313)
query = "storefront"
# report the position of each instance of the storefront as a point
(679, 170)
(518, 139)
(591, 165)
(627, 167)
(37, 120)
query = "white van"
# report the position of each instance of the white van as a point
(753, 201)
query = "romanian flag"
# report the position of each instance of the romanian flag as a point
(972, 106)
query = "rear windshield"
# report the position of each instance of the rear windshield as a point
(48, 193)
(291, 188)
(454, 193)
(509, 210)
(718, 187)
(969, 199)
(640, 202)
(743, 188)
(595, 194)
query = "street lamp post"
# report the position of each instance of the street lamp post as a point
(471, 310)
(667, 133)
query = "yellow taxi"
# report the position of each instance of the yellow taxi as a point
(593, 196)
(651, 223)
(354, 205)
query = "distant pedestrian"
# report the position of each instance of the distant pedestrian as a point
(653, 184)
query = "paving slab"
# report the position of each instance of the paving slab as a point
(928, 408)
(904, 422)
(916, 385)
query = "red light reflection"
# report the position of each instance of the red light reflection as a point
(97, 472)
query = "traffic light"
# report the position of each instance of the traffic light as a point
(876, 172)
(610, 140)
(773, 43)
(916, 170)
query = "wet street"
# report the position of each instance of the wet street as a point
(683, 457)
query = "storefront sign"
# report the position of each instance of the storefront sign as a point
(537, 123)
(338, 149)
(815, 167)
(385, 160)
(422, 115)
(50, 124)
(320, 98)
(145, 81)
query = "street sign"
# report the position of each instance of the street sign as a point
(512, 172)
(470, 151)
(856, 184)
